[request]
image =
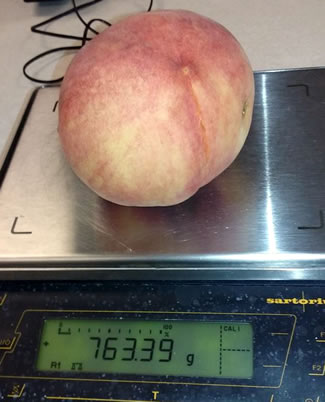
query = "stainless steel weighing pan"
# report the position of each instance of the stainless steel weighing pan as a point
(263, 218)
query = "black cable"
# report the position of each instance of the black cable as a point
(150, 6)
(39, 56)
(84, 38)
(81, 19)
(35, 28)
(88, 27)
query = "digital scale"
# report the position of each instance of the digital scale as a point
(220, 298)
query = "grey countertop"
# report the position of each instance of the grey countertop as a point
(277, 34)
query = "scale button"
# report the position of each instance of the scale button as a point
(3, 297)
(17, 391)
(318, 369)
(321, 336)
(7, 342)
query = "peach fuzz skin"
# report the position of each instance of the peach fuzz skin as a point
(155, 107)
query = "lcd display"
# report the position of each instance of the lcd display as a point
(148, 347)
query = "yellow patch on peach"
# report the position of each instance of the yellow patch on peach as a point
(97, 182)
(86, 166)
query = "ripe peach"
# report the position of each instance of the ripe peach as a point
(155, 107)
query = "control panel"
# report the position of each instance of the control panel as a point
(162, 341)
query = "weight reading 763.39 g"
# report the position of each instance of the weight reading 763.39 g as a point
(148, 347)
(107, 350)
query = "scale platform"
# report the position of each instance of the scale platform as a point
(188, 322)
(263, 218)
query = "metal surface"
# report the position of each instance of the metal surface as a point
(263, 218)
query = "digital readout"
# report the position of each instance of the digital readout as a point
(166, 347)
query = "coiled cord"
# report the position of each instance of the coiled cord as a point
(84, 38)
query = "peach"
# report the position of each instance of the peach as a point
(155, 107)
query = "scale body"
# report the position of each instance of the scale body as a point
(246, 253)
